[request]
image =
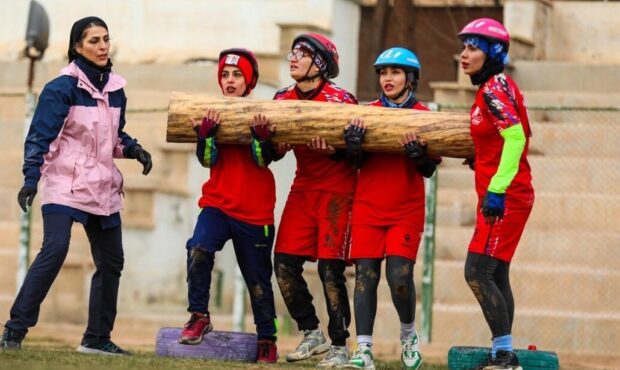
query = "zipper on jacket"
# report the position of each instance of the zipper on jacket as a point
(74, 175)
(101, 77)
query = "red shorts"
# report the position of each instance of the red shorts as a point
(370, 241)
(500, 240)
(315, 224)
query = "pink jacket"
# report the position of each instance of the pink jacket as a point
(78, 169)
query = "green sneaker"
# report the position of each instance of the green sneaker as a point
(410, 355)
(314, 343)
(362, 359)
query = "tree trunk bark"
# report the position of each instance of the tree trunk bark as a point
(297, 122)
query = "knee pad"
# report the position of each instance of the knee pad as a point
(197, 257)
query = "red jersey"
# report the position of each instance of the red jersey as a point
(316, 171)
(499, 104)
(239, 187)
(389, 188)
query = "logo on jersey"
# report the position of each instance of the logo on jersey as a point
(476, 116)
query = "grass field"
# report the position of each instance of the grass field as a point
(42, 354)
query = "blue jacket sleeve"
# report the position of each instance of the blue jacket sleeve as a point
(126, 141)
(49, 118)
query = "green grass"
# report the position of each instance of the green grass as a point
(50, 355)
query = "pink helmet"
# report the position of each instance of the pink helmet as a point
(486, 27)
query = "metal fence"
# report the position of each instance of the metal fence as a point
(564, 275)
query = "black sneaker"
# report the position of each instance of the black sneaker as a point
(504, 360)
(11, 340)
(107, 348)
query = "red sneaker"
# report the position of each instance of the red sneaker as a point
(267, 352)
(197, 326)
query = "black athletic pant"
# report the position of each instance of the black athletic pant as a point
(399, 271)
(488, 279)
(107, 251)
(294, 289)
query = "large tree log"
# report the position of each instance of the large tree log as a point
(297, 122)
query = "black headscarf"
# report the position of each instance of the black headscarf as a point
(78, 30)
(490, 68)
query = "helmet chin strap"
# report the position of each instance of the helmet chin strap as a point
(309, 78)
(401, 93)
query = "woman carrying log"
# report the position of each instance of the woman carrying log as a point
(237, 203)
(501, 131)
(315, 220)
(76, 132)
(388, 212)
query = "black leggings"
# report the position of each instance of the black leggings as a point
(488, 279)
(399, 272)
(294, 289)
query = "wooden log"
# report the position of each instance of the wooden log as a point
(297, 122)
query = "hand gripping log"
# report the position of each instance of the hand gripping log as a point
(297, 122)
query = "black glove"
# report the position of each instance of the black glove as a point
(26, 196)
(471, 162)
(142, 156)
(354, 138)
(415, 151)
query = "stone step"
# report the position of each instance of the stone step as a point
(571, 174)
(570, 98)
(9, 235)
(6, 301)
(11, 212)
(562, 247)
(11, 163)
(8, 276)
(67, 300)
(594, 284)
(590, 333)
(576, 140)
(583, 211)
(597, 78)
(592, 116)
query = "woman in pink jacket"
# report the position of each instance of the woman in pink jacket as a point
(76, 132)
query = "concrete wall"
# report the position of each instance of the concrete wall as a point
(585, 32)
(162, 31)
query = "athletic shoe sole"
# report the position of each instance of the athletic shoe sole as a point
(93, 351)
(198, 340)
(351, 366)
(321, 348)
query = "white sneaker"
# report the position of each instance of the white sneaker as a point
(313, 344)
(410, 354)
(337, 356)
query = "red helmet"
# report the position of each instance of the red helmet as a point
(488, 28)
(325, 48)
(245, 61)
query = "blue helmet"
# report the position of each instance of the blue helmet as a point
(401, 58)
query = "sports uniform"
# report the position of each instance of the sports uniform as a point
(500, 130)
(237, 204)
(315, 221)
(388, 215)
(499, 106)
